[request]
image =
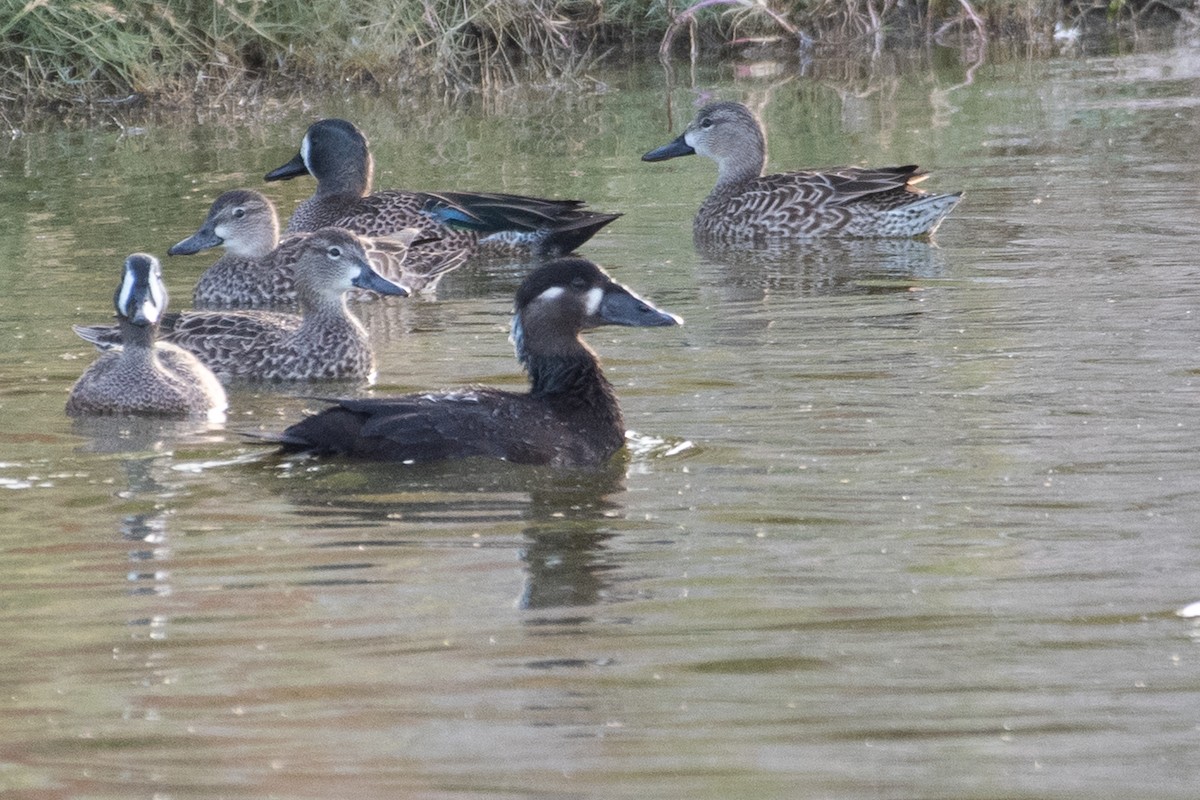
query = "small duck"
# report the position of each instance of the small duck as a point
(747, 207)
(257, 271)
(140, 376)
(336, 153)
(569, 417)
(324, 342)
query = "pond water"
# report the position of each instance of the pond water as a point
(897, 519)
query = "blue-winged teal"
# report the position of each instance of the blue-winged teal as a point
(569, 418)
(324, 342)
(137, 375)
(336, 153)
(257, 271)
(749, 207)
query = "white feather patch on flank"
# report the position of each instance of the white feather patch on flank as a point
(595, 297)
(305, 146)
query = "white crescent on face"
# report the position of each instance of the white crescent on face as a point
(305, 147)
(593, 298)
(126, 291)
(153, 307)
(553, 293)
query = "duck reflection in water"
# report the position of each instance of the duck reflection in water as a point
(565, 518)
(819, 268)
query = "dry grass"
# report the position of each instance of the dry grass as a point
(197, 52)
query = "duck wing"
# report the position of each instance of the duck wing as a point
(486, 423)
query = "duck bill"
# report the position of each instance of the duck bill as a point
(292, 169)
(622, 307)
(370, 279)
(202, 239)
(677, 148)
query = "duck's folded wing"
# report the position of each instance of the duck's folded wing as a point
(431, 427)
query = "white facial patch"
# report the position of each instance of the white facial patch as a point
(593, 299)
(305, 146)
(553, 293)
(687, 137)
(126, 291)
(153, 307)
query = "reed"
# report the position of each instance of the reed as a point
(94, 51)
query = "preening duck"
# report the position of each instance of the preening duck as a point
(569, 417)
(137, 375)
(747, 207)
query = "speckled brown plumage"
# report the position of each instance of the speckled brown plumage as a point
(324, 342)
(258, 271)
(337, 154)
(748, 207)
(137, 375)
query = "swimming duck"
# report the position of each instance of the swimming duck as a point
(749, 207)
(140, 376)
(324, 342)
(257, 271)
(336, 153)
(569, 417)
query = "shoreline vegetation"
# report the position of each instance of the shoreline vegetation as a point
(87, 56)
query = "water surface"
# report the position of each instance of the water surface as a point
(898, 520)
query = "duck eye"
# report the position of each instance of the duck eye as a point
(706, 123)
(238, 213)
(334, 251)
(579, 283)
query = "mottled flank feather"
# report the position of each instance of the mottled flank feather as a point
(324, 342)
(337, 154)
(569, 418)
(747, 207)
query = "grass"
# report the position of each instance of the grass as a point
(62, 53)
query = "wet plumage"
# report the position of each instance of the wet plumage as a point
(336, 153)
(748, 207)
(136, 375)
(324, 342)
(569, 417)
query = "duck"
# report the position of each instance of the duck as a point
(748, 207)
(257, 270)
(337, 154)
(140, 376)
(324, 342)
(569, 418)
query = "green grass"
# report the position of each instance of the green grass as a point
(197, 51)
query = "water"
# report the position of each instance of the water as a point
(896, 521)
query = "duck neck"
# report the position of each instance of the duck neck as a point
(137, 341)
(321, 312)
(353, 178)
(569, 377)
(734, 171)
(744, 163)
(255, 246)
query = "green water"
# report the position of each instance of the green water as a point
(897, 520)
